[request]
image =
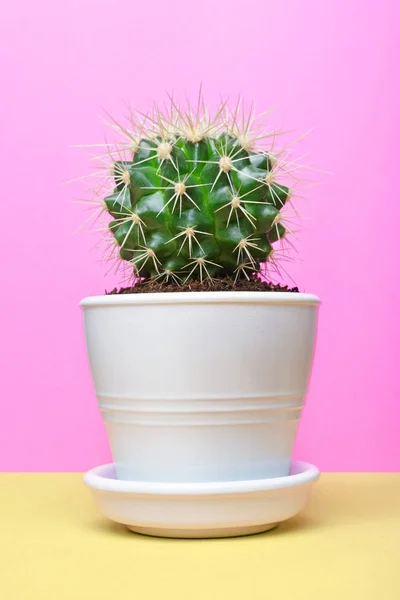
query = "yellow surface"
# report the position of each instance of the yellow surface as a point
(55, 545)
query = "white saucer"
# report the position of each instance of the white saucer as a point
(202, 510)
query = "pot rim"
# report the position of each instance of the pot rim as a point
(201, 298)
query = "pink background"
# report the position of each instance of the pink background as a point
(329, 64)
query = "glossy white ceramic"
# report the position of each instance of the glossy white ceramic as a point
(202, 386)
(199, 510)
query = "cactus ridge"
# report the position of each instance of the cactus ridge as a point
(194, 197)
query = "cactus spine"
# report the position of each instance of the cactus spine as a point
(194, 197)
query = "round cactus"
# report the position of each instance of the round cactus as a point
(193, 197)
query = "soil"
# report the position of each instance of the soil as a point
(226, 284)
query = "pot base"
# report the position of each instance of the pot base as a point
(218, 532)
(202, 510)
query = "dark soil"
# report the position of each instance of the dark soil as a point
(226, 284)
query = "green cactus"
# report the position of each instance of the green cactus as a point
(193, 198)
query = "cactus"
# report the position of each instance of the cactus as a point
(195, 197)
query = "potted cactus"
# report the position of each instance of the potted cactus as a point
(200, 366)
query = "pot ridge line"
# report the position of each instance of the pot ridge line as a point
(127, 409)
(209, 398)
(201, 423)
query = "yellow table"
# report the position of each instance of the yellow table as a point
(55, 545)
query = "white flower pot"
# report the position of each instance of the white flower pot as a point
(201, 386)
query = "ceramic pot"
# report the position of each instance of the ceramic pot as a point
(201, 386)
